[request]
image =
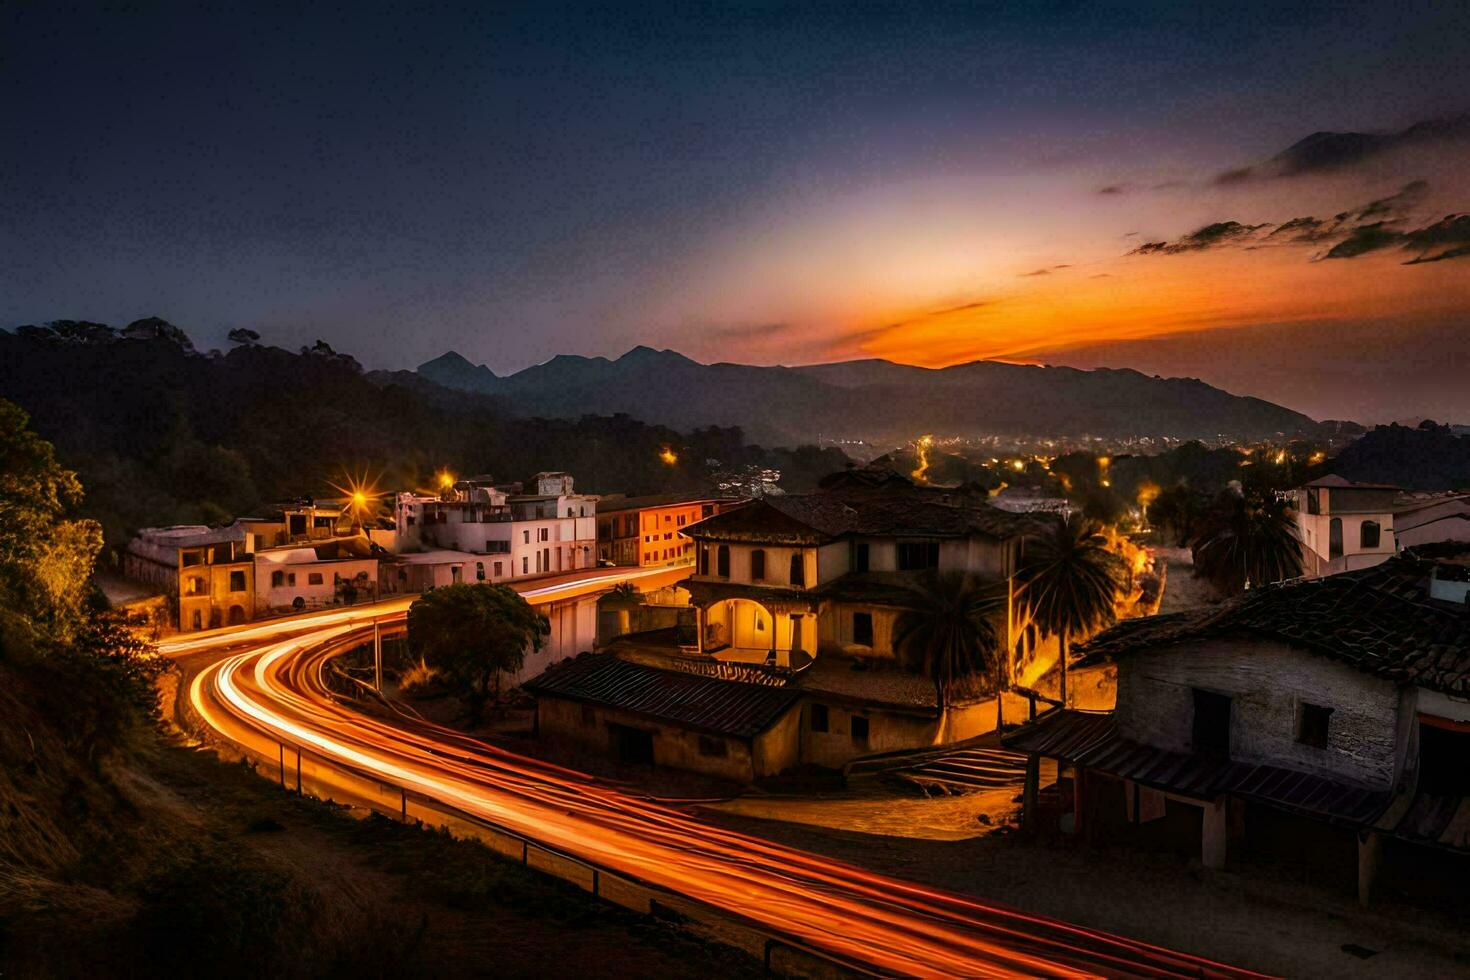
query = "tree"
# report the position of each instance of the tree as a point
(1069, 581)
(243, 336)
(947, 632)
(1247, 539)
(45, 559)
(1179, 510)
(470, 634)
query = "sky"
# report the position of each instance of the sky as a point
(1069, 182)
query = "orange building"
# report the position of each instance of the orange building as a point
(649, 530)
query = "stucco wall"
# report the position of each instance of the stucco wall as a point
(773, 750)
(1267, 682)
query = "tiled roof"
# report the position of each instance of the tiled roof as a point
(703, 703)
(1092, 741)
(1379, 620)
(893, 506)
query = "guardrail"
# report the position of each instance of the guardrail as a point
(366, 790)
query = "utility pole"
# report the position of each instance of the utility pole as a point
(377, 656)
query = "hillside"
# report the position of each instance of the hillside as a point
(875, 399)
(1426, 457)
(164, 434)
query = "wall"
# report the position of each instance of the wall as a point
(1268, 681)
(778, 565)
(564, 721)
(837, 634)
(270, 596)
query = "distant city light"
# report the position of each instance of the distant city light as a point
(668, 456)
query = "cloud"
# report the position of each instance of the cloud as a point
(1115, 189)
(1045, 271)
(975, 305)
(1362, 230)
(1329, 152)
(1216, 235)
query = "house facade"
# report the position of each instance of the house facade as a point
(208, 574)
(550, 529)
(649, 530)
(1344, 525)
(332, 573)
(1332, 712)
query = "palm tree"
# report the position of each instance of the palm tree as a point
(1247, 540)
(1069, 581)
(947, 632)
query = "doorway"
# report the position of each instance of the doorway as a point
(632, 744)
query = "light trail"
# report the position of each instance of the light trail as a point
(270, 691)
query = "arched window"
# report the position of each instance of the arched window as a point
(722, 561)
(798, 570)
(1334, 538)
(757, 565)
(1368, 535)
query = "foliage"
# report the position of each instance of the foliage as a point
(1248, 538)
(162, 435)
(45, 558)
(1179, 511)
(947, 632)
(1426, 457)
(470, 634)
(1069, 582)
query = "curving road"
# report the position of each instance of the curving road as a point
(265, 691)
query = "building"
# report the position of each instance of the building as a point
(552, 529)
(300, 521)
(640, 714)
(328, 573)
(1344, 525)
(207, 573)
(783, 578)
(1325, 719)
(649, 530)
(1421, 519)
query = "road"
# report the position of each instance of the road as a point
(266, 693)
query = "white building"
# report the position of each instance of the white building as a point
(1344, 525)
(507, 534)
(331, 573)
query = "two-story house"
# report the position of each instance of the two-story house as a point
(207, 573)
(1344, 525)
(1331, 714)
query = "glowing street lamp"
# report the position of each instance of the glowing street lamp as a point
(668, 456)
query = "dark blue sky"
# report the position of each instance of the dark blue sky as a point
(521, 180)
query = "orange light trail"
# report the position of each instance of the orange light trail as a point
(271, 692)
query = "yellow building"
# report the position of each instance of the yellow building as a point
(207, 573)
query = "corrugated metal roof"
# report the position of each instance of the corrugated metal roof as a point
(1092, 741)
(703, 703)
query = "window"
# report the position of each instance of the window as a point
(1368, 535)
(497, 547)
(758, 565)
(497, 569)
(196, 585)
(704, 560)
(237, 581)
(860, 556)
(480, 571)
(314, 578)
(188, 558)
(546, 534)
(798, 570)
(1314, 502)
(862, 628)
(817, 718)
(1334, 538)
(1311, 724)
(1211, 724)
(722, 561)
(525, 565)
(917, 555)
(197, 620)
(278, 579)
(525, 537)
(291, 579)
(714, 748)
(860, 729)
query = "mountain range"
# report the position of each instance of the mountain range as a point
(876, 400)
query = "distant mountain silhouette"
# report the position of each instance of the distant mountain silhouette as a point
(874, 399)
